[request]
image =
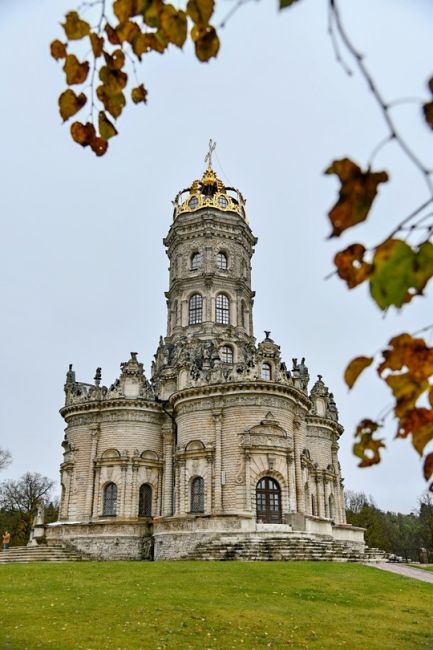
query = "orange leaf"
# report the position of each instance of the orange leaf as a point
(428, 466)
(76, 72)
(70, 103)
(355, 368)
(58, 50)
(99, 146)
(74, 27)
(406, 391)
(351, 266)
(83, 133)
(206, 42)
(139, 94)
(418, 423)
(407, 352)
(430, 396)
(367, 448)
(97, 43)
(112, 35)
(357, 193)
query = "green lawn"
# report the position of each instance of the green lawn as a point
(123, 605)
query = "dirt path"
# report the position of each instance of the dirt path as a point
(403, 570)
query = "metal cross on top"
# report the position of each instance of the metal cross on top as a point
(208, 157)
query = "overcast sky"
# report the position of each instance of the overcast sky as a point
(83, 270)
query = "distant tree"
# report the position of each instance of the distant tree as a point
(426, 520)
(5, 458)
(118, 33)
(19, 501)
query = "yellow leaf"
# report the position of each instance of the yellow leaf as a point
(355, 368)
(200, 11)
(70, 103)
(106, 128)
(58, 50)
(76, 72)
(139, 94)
(206, 42)
(74, 27)
(428, 466)
(174, 25)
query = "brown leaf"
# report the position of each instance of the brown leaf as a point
(83, 133)
(113, 103)
(70, 103)
(410, 353)
(428, 113)
(200, 11)
(115, 61)
(406, 390)
(114, 80)
(74, 27)
(174, 25)
(206, 42)
(127, 31)
(355, 368)
(428, 466)
(97, 43)
(123, 9)
(351, 266)
(99, 146)
(76, 72)
(430, 396)
(58, 50)
(112, 35)
(139, 94)
(357, 193)
(106, 128)
(143, 43)
(368, 447)
(418, 423)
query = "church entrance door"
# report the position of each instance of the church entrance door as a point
(268, 500)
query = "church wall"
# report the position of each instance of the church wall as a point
(319, 443)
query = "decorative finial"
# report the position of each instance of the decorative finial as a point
(208, 157)
(320, 377)
(267, 333)
(98, 376)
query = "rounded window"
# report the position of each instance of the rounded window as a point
(266, 371)
(221, 260)
(193, 202)
(226, 354)
(222, 201)
(195, 261)
(222, 309)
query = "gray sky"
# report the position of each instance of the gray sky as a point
(83, 269)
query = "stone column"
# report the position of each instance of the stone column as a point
(122, 496)
(95, 431)
(291, 483)
(208, 485)
(68, 486)
(134, 490)
(340, 492)
(167, 433)
(218, 496)
(248, 504)
(319, 497)
(326, 493)
(128, 492)
(97, 494)
(182, 507)
(184, 312)
(299, 438)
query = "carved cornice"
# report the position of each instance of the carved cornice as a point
(326, 423)
(100, 406)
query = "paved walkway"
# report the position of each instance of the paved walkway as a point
(403, 570)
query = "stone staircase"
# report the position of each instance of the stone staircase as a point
(295, 546)
(24, 554)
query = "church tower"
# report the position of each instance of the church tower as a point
(222, 438)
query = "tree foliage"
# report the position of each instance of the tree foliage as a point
(19, 501)
(5, 458)
(397, 269)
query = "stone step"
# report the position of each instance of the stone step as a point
(24, 554)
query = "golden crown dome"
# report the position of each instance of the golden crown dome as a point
(209, 192)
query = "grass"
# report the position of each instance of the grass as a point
(218, 606)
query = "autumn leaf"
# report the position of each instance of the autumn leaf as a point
(174, 25)
(404, 351)
(127, 31)
(287, 3)
(113, 103)
(76, 72)
(357, 193)
(106, 128)
(99, 146)
(74, 27)
(200, 11)
(428, 113)
(406, 391)
(428, 466)
(206, 42)
(114, 80)
(423, 266)
(70, 103)
(83, 133)
(368, 447)
(115, 61)
(123, 9)
(419, 423)
(393, 273)
(430, 396)
(58, 50)
(351, 266)
(355, 368)
(112, 35)
(143, 43)
(97, 43)
(139, 94)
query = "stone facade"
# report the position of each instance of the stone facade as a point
(224, 437)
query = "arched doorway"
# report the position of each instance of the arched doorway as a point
(268, 500)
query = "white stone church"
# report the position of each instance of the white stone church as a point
(223, 443)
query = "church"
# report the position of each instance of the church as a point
(224, 440)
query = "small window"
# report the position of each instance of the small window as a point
(266, 371)
(221, 260)
(110, 500)
(195, 261)
(226, 354)
(223, 203)
(193, 202)
(145, 501)
(222, 309)
(195, 309)
(197, 494)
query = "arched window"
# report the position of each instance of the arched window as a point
(222, 309)
(226, 354)
(197, 494)
(195, 261)
(266, 372)
(268, 500)
(145, 501)
(110, 500)
(222, 261)
(195, 309)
